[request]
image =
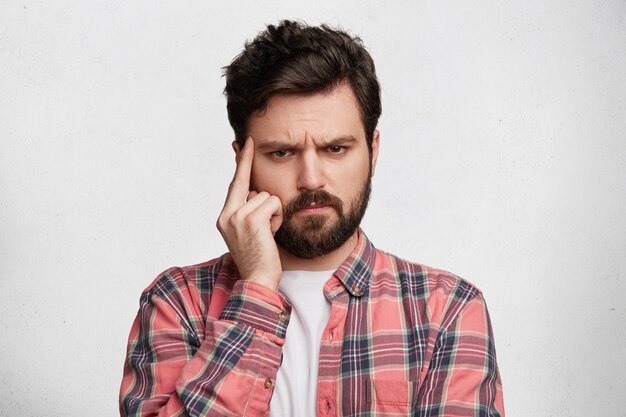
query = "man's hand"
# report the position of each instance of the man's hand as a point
(248, 222)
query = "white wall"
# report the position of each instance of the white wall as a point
(503, 160)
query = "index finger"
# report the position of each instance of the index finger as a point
(240, 185)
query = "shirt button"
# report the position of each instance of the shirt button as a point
(268, 383)
(357, 291)
(282, 316)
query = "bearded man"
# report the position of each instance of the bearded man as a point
(303, 316)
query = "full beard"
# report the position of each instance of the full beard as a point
(314, 236)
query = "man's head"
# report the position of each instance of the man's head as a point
(293, 58)
(309, 98)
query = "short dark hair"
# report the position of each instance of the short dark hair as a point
(294, 58)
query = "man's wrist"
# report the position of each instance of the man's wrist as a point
(266, 280)
(256, 305)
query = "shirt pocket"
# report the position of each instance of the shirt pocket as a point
(393, 397)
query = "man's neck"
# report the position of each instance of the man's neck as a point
(326, 262)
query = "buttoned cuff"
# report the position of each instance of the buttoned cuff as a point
(258, 306)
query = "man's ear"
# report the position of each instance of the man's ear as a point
(375, 144)
(235, 146)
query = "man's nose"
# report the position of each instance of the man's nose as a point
(310, 175)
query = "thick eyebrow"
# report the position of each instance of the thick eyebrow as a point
(340, 141)
(282, 145)
(274, 145)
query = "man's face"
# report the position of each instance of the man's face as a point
(311, 152)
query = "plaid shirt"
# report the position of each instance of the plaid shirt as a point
(402, 340)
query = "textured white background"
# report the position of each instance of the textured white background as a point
(503, 159)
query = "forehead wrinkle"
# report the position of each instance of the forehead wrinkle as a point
(293, 137)
(292, 127)
(304, 121)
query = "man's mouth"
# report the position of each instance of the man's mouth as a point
(314, 207)
(313, 203)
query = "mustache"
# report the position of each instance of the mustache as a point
(318, 197)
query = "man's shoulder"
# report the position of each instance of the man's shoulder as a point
(438, 294)
(423, 280)
(199, 277)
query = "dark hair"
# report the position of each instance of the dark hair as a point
(294, 58)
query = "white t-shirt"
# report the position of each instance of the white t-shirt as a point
(295, 393)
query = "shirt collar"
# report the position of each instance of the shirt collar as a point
(356, 270)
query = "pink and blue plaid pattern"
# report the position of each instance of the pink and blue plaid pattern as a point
(403, 339)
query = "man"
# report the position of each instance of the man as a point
(304, 316)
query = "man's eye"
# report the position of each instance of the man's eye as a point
(280, 154)
(336, 149)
